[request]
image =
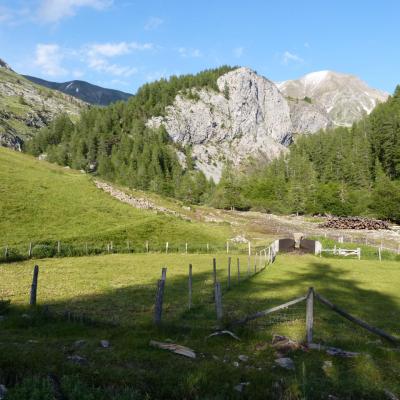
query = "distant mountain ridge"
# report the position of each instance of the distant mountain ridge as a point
(344, 97)
(84, 91)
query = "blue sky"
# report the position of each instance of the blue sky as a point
(124, 43)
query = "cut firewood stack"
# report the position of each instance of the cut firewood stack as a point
(354, 223)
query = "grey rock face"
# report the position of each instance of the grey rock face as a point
(247, 118)
(345, 98)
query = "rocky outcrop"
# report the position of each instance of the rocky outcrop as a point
(247, 118)
(345, 98)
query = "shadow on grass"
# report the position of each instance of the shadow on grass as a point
(159, 374)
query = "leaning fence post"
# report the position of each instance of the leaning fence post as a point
(32, 300)
(6, 252)
(310, 315)
(229, 273)
(190, 286)
(218, 300)
(215, 270)
(238, 270)
(159, 301)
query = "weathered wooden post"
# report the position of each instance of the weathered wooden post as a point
(30, 250)
(238, 270)
(86, 247)
(147, 246)
(215, 270)
(164, 273)
(208, 247)
(190, 286)
(248, 265)
(229, 272)
(249, 248)
(255, 262)
(380, 254)
(359, 253)
(127, 246)
(186, 248)
(159, 301)
(32, 300)
(218, 300)
(111, 247)
(227, 247)
(166, 247)
(310, 315)
(58, 247)
(108, 247)
(6, 252)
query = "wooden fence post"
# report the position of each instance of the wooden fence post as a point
(147, 246)
(186, 248)
(190, 286)
(380, 254)
(359, 253)
(164, 273)
(159, 301)
(30, 250)
(166, 247)
(6, 252)
(127, 245)
(238, 270)
(32, 300)
(215, 270)
(229, 272)
(227, 247)
(86, 246)
(58, 247)
(310, 315)
(207, 247)
(108, 247)
(111, 247)
(255, 262)
(218, 300)
(248, 265)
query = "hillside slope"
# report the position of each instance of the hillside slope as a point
(41, 201)
(84, 91)
(26, 107)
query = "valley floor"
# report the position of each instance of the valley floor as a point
(112, 298)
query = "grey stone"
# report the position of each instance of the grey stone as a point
(285, 362)
(243, 358)
(105, 344)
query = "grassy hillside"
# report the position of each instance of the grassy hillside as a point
(26, 106)
(123, 292)
(43, 202)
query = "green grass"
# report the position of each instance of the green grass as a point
(41, 202)
(120, 289)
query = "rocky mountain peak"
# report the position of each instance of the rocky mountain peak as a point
(344, 97)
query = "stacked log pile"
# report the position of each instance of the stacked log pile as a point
(354, 223)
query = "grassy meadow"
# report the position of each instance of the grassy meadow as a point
(118, 292)
(42, 202)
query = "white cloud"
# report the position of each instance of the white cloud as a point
(117, 49)
(238, 52)
(289, 57)
(189, 53)
(153, 23)
(48, 57)
(97, 56)
(55, 10)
